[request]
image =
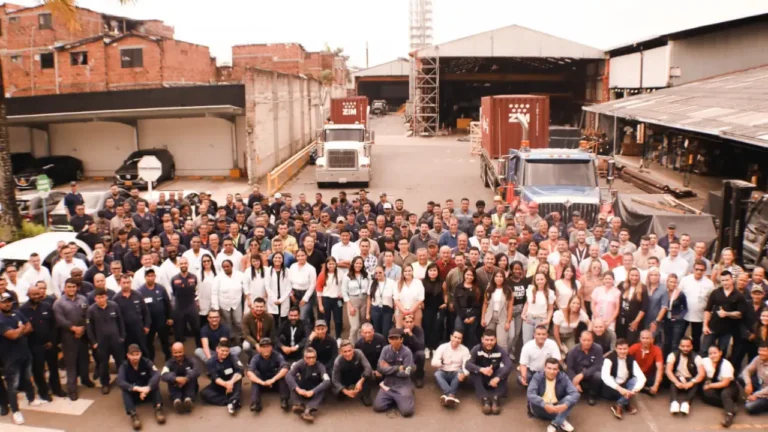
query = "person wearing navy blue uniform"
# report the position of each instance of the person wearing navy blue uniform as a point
(185, 312)
(396, 365)
(308, 381)
(226, 374)
(70, 311)
(181, 376)
(266, 372)
(159, 305)
(106, 333)
(352, 375)
(324, 344)
(413, 338)
(210, 336)
(43, 342)
(139, 380)
(135, 314)
(489, 367)
(73, 199)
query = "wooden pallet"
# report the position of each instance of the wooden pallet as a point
(475, 138)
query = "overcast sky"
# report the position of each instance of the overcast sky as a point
(384, 23)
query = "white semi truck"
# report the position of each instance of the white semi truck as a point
(344, 155)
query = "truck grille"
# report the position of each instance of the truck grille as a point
(342, 159)
(588, 211)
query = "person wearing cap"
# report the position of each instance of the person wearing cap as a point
(396, 365)
(665, 241)
(15, 356)
(266, 371)
(352, 374)
(573, 225)
(277, 204)
(181, 376)
(43, 341)
(226, 373)
(489, 367)
(308, 381)
(139, 380)
(73, 199)
(379, 208)
(106, 334)
(324, 345)
(70, 312)
(147, 264)
(387, 214)
(158, 303)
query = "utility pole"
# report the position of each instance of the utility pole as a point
(366, 54)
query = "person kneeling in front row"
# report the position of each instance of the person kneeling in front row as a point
(449, 360)
(226, 374)
(552, 396)
(139, 380)
(181, 376)
(489, 366)
(396, 365)
(308, 381)
(352, 374)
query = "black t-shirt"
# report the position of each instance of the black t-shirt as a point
(13, 350)
(214, 336)
(518, 291)
(731, 303)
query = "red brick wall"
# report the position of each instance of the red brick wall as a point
(26, 33)
(83, 78)
(157, 28)
(147, 76)
(186, 63)
(286, 58)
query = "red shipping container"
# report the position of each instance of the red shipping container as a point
(500, 132)
(349, 110)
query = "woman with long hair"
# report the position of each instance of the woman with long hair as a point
(205, 287)
(606, 300)
(719, 388)
(589, 281)
(539, 306)
(564, 263)
(655, 290)
(533, 251)
(567, 323)
(497, 309)
(409, 298)
(434, 307)
(502, 262)
(566, 287)
(519, 286)
(546, 270)
(257, 282)
(634, 303)
(355, 286)
(331, 303)
(727, 262)
(381, 305)
(279, 289)
(672, 314)
(303, 278)
(467, 303)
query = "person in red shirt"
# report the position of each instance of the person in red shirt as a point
(445, 264)
(648, 356)
(613, 258)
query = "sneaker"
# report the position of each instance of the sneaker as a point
(567, 427)
(631, 408)
(551, 428)
(231, 409)
(486, 406)
(495, 407)
(617, 411)
(444, 400)
(674, 407)
(453, 399)
(18, 418)
(307, 416)
(178, 406)
(728, 420)
(685, 408)
(135, 421)
(159, 416)
(38, 402)
(297, 409)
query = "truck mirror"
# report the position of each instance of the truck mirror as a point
(611, 171)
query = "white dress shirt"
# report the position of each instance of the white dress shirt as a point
(677, 265)
(696, 296)
(343, 252)
(236, 258)
(138, 278)
(62, 271)
(169, 270)
(205, 292)
(195, 266)
(256, 283)
(21, 288)
(228, 290)
(112, 283)
(534, 356)
(410, 294)
(622, 374)
(32, 276)
(303, 278)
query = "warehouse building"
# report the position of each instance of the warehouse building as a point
(387, 81)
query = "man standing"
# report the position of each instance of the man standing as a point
(623, 379)
(36, 273)
(266, 372)
(552, 396)
(352, 375)
(723, 314)
(227, 296)
(106, 333)
(73, 199)
(344, 251)
(159, 305)
(696, 288)
(674, 263)
(135, 314)
(450, 359)
(43, 342)
(185, 312)
(489, 366)
(181, 376)
(70, 311)
(139, 380)
(396, 365)
(308, 382)
(584, 362)
(226, 374)
(62, 270)
(413, 339)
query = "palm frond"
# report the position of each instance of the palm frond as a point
(66, 10)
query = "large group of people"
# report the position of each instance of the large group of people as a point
(264, 285)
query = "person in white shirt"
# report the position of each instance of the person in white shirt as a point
(63, 269)
(594, 255)
(621, 272)
(408, 297)
(420, 266)
(696, 288)
(227, 297)
(36, 273)
(256, 281)
(279, 289)
(535, 353)
(449, 360)
(205, 287)
(113, 281)
(343, 252)
(674, 263)
(479, 234)
(231, 254)
(146, 264)
(381, 304)
(170, 267)
(685, 370)
(561, 247)
(303, 277)
(194, 256)
(720, 388)
(622, 378)
(355, 287)
(17, 284)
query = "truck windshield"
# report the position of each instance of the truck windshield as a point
(357, 135)
(560, 172)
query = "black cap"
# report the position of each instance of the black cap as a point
(672, 226)
(265, 341)
(6, 296)
(132, 348)
(395, 333)
(149, 272)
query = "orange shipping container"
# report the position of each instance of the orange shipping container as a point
(349, 110)
(500, 132)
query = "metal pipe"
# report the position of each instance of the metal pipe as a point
(519, 118)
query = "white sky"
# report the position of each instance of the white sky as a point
(384, 23)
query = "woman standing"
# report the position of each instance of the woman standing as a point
(434, 308)
(497, 309)
(564, 263)
(539, 306)
(655, 291)
(409, 298)
(634, 303)
(278, 289)
(257, 282)
(673, 310)
(355, 287)
(518, 285)
(566, 287)
(467, 303)
(329, 288)
(533, 251)
(589, 282)
(502, 262)
(381, 305)
(720, 388)
(606, 300)
(566, 322)
(727, 262)
(303, 278)
(205, 289)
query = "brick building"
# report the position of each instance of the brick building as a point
(290, 58)
(42, 55)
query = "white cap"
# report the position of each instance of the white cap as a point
(278, 195)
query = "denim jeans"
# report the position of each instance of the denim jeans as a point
(613, 395)
(381, 318)
(758, 406)
(469, 331)
(18, 375)
(333, 307)
(529, 327)
(556, 419)
(448, 382)
(673, 332)
(723, 340)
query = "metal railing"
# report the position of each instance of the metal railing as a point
(286, 170)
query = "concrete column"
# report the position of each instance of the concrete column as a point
(302, 85)
(251, 161)
(276, 119)
(291, 121)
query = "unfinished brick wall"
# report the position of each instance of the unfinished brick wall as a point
(286, 58)
(147, 76)
(186, 63)
(156, 28)
(75, 77)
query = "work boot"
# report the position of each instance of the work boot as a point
(487, 406)
(728, 420)
(495, 408)
(307, 416)
(366, 399)
(4, 410)
(178, 406)
(159, 416)
(188, 405)
(135, 421)
(419, 382)
(284, 404)
(72, 395)
(255, 407)
(617, 410)
(105, 390)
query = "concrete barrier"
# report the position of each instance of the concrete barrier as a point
(286, 170)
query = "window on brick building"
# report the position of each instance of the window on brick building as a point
(131, 58)
(16, 59)
(45, 21)
(13, 20)
(79, 58)
(46, 61)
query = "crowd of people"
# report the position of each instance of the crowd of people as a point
(264, 287)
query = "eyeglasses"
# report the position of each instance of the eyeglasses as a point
(310, 357)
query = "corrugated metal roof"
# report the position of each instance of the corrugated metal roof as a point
(512, 41)
(733, 106)
(398, 67)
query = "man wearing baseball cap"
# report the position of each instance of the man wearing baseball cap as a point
(139, 380)
(396, 364)
(326, 346)
(266, 371)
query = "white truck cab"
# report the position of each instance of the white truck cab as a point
(344, 155)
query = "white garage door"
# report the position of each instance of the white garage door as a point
(200, 146)
(102, 146)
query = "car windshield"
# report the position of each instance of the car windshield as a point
(560, 172)
(344, 135)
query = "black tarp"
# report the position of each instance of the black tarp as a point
(642, 219)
